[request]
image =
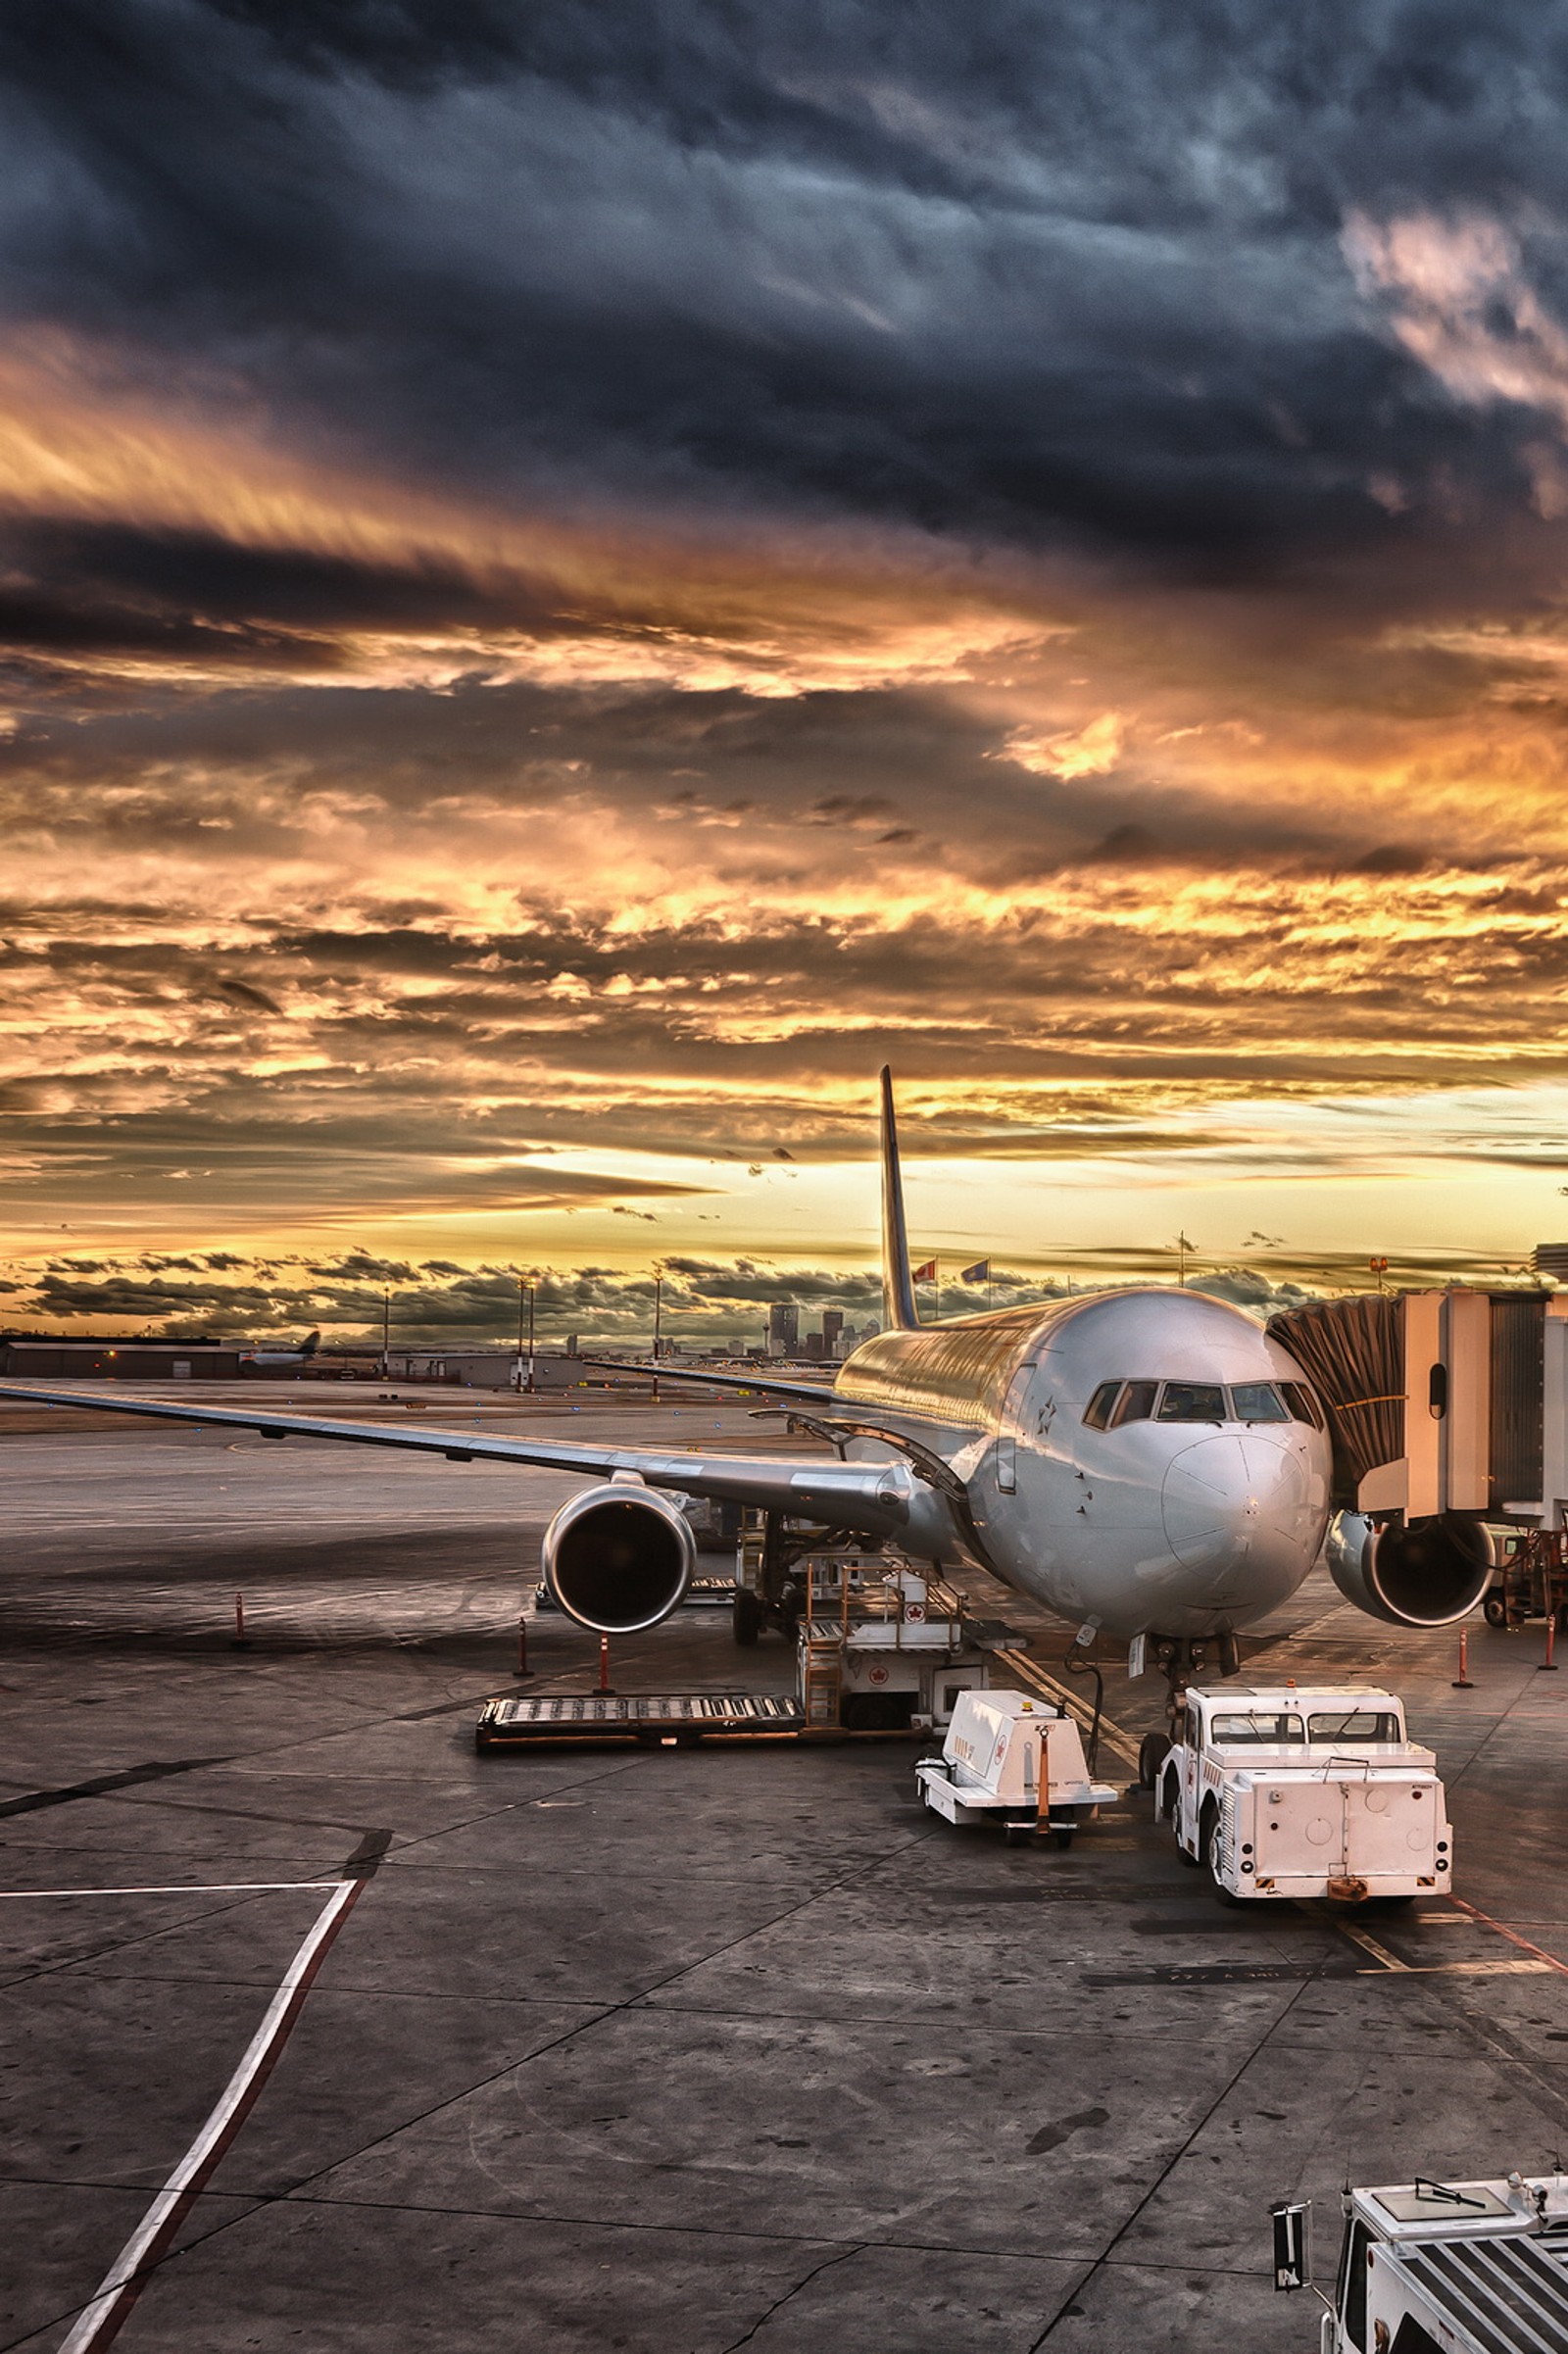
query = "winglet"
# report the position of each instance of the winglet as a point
(307, 1349)
(898, 1290)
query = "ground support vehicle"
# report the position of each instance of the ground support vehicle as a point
(1282, 1791)
(1530, 1578)
(1441, 2268)
(1015, 1761)
(886, 1648)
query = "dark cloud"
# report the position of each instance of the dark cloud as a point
(1040, 276)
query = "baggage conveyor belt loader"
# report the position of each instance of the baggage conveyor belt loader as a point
(1013, 1760)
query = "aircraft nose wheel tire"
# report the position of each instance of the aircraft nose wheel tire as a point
(745, 1616)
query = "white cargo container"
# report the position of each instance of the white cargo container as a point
(1015, 1760)
(1441, 2268)
(1282, 1791)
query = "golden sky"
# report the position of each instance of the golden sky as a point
(555, 618)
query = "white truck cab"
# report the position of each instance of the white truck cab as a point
(1287, 1790)
(1442, 2268)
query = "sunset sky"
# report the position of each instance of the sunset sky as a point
(573, 577)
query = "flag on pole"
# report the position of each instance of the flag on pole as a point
(926, 1274)
(980, 1272)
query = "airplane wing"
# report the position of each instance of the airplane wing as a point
(878, 1497)
(666, 1372)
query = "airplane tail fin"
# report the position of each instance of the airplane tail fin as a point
(899, 1312)
(310, 1345)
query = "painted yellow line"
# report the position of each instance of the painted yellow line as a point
(1111, 1735)
(1548, 1961)
(1369, 1944)
(1465, 1970)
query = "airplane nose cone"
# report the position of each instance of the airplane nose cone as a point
(1228, 1499)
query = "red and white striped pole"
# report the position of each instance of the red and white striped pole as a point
(605, 1683)
(1548, 1665)
(1461, 1682)
(239, 1640)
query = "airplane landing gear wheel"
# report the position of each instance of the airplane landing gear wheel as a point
(745, 1616)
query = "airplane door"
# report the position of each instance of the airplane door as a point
(1004, 1456)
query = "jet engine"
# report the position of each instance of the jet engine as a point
(619, 1558)
(1422, 1573)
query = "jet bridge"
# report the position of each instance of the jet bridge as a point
(1451, 1401)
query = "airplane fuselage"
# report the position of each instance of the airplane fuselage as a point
(1193, 1501)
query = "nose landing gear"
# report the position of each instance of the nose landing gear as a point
(1182, 1658)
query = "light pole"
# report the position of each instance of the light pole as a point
(386, 1332)
(658, 1309)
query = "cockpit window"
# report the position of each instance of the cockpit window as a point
(1117, 1401)
(1137, 1404)
(1303, 1403)
(1192, 1401)
(1097, 1413)
(1258, 1402)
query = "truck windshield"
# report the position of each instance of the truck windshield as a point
(1275, 1732)
(1353, 1723)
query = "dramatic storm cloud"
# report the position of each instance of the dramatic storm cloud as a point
(573, 578)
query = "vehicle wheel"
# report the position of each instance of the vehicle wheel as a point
(745, 1616)
(1170, 1800)
(1495, 1610)
(1226, 1895)
(1207, 1825)
(1153, 1751)
(1063, 1839)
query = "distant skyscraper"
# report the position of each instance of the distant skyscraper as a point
(783, 1328)
(832, 1332)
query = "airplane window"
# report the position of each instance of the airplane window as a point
(1137, 1404)
(1278, 1732)
(1192, 1401)
(1097, 1413)
(1258, 1402)
(1353, 1723)
(1303, 1403)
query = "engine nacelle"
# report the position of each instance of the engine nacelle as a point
(1426, 1573)
(619, 1558)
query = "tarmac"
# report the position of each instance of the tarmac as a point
(669, 2051)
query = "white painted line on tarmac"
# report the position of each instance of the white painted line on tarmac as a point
(172, 1887)
(99, 2321)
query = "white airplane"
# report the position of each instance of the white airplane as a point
(1143, 1462)
(284, 1356)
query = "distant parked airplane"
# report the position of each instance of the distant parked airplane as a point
(284, 1356)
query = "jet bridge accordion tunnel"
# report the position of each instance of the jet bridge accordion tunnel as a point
(1448, 1410)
